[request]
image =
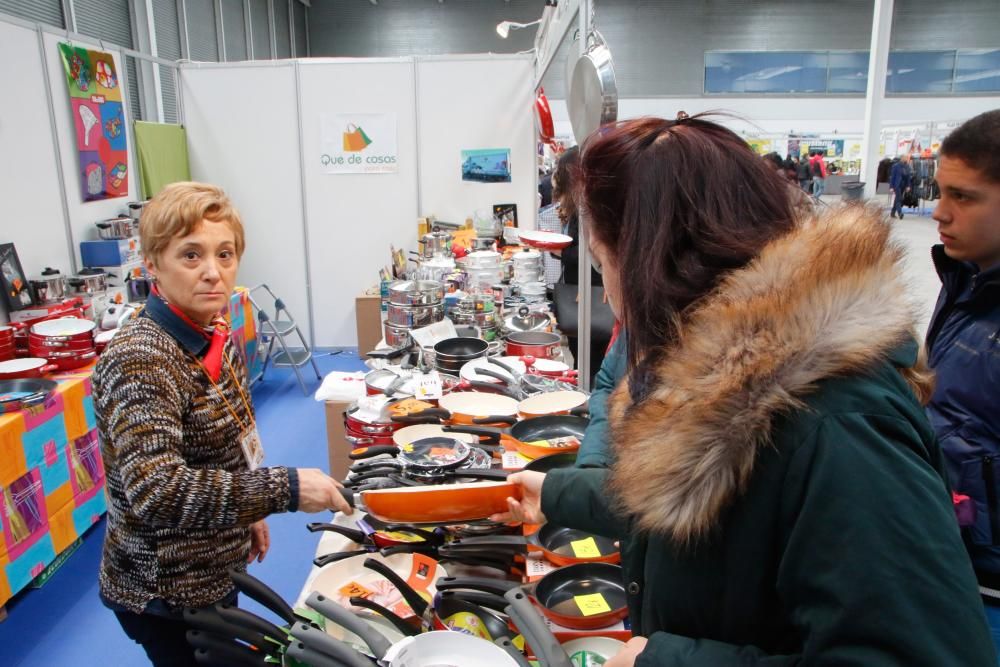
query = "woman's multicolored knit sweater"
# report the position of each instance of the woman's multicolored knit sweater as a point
(181, 496)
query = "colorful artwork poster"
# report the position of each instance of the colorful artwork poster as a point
(99, 121)
(486, 165)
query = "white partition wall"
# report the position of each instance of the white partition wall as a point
(32, 217)
(243, 135)
(319, 238)
(473, 102)
(353, 219)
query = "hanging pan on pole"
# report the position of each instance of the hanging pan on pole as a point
(593, 94)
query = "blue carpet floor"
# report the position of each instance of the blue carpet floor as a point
(64, 623)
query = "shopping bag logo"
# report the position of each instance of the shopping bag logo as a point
(355, 139)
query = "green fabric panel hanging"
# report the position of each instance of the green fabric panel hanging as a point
(163, 156)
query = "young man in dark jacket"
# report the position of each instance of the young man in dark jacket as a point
(963, 341)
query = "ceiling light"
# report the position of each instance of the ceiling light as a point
(504, 27)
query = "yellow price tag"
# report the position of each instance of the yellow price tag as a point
(585, 548)
(408, 448)
(591, 605)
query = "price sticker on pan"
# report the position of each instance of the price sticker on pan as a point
(591, 605)
(585, 548)
(354, 590)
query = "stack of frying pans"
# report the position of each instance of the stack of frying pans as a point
(66, 342)
(7, 345)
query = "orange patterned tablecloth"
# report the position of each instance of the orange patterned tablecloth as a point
(51, 478)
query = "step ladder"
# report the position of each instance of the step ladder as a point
(273, 327)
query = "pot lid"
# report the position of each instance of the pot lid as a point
(50, 272)
(21, 365)
(90, 272)
(527, 321)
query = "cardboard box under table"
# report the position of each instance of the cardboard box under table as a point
(51, 480)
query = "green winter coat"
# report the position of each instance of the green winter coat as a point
(779, 494)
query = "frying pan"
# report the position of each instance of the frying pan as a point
(560, 593)
(427, 455)
(551, 462)
(560, 546)
(417, 569)
(24, 393)
(448, 612)
(532, 430)
(467, 407)
(592, 98)
(447, 503)
(543, 113)
(552, 403)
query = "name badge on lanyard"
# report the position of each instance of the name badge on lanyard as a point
(252, 449)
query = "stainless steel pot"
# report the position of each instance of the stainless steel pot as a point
(396, 336)
(115, 228)
(89, 281)
(435, 243)
(416, 293)
(50, 286)
(592, 99)
(414, 317)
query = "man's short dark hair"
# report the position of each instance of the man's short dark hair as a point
(977, 143)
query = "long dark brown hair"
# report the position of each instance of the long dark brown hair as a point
(677, 204)
(564, 190)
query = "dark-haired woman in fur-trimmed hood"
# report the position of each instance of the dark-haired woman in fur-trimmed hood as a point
(776, 487)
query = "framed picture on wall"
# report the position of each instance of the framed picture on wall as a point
(505, 214)
(15, 285)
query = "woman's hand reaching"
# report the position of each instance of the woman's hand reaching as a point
(529, 508)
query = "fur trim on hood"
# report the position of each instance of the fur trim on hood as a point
(828, 299)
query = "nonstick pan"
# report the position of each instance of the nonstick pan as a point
(560, 546)
(522, 434)
(583, 596)
(24, 393)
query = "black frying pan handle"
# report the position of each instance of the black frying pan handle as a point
(412, 597)
(209, 620)
(481, 541)
(581, 410)
(352, 534)
(323, 561)
(346, 619)
(245, 619)
(348, 495)
(502, 364)
(409, 549)
(397, 621)
(257, 590)
(496, 419)
(492, 474)
(310, 656)
(372, 450)
(494, 388)
(324, 644)
(480, 598)
(488, 431)
(428, 412)
(496, 586)
(489, 372)
(477, 559)
(535, 631)
(225, 651)
(417, 419)
(507, 645)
